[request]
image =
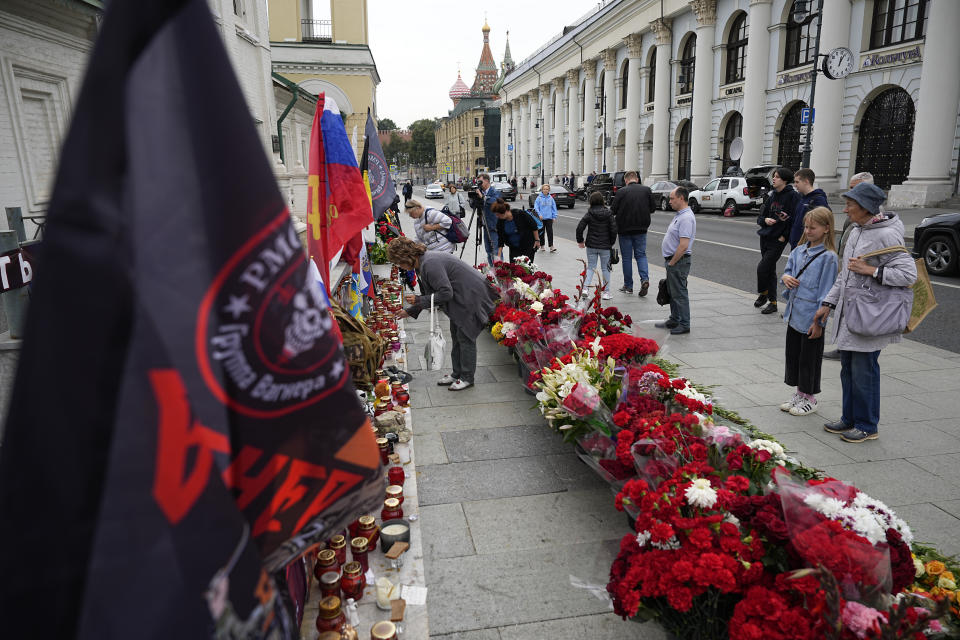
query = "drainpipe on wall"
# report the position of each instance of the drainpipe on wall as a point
(295, 88)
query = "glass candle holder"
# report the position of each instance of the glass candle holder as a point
(330, 618)
(391, 510)
(383, 630)
(330, 584)
(326, 561)
(369, 530)
(338, 544)
(353, 583)
(395, 475)
(384, 445)
(358, 550)
(395, 491)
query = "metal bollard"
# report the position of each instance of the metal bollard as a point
(15, 223)
(14, 302)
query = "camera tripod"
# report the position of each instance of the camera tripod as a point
(478, 236)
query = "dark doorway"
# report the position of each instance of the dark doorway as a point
(788, 154)
(683, 151)
(886, 138)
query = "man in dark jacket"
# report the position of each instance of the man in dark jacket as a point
(775, 221)
(810, 198)
(632, 207)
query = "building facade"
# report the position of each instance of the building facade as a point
(468, 139)
(665, 87)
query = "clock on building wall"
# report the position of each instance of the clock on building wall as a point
(838, 63)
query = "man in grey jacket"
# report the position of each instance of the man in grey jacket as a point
(871, 229)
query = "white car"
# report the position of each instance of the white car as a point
(434, 190)
(723, 193)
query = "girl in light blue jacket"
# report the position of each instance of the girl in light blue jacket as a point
(810, 273)
(546, 208)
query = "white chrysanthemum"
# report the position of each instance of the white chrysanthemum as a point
(537, 307)
(547, 294)
(508, 328)
(866, 525)
(701, 494)
(691, 392)
(773, 448)
(830, 507)
(643, 538)
(732, 519)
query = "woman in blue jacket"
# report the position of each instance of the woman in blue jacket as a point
(546, 208)
(810, 274)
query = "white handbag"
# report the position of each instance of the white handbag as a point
(433, 352)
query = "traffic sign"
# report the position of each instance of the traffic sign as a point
(393, 168)
(509, 147)
(803, 129)
(807, 115)
(447, 168)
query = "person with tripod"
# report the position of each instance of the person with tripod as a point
(490, 194)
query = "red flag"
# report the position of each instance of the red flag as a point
(335, 188)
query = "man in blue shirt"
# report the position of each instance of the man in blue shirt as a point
(676, 248)
(489, 195)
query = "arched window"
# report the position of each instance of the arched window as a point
(688, 63)
(896, 21)
(624, 78)
(683, 151)
(885, 143)
(801, 40)
(652, 81)
(737, 49)
(788, 153)
(734, 129)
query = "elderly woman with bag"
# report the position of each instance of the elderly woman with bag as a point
(459, 291)
(872, 298)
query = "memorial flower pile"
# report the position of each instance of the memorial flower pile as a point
(732, 537)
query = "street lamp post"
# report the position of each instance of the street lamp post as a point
(542, 136)
(800, 10)
(603, 140)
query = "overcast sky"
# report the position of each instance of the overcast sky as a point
(417, 46)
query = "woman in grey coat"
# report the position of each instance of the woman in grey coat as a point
(459, 291)
(871, 230)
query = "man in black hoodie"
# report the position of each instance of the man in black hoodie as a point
(775, 221)
(632, 207)
(810, 198)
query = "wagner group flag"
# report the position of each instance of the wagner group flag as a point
(183, 424)
(382, 190)
(337, 200)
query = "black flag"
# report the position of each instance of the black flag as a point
(382, 190)
(183, 424)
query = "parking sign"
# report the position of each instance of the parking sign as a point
(807, 115)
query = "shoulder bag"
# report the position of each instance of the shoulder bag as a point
(786, 292)
(880, 310)
(433, 351)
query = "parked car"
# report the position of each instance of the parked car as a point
(507, 192)
(433, 190)
(662, 188)
(563, 196)
(760, 179)
(607, 184)
(724, 193)
(936, 240)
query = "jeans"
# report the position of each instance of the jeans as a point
(860, 381)
(770, 251)
(463, 354)
(634, 247)
(677, 285)
(490, 237)
(604, 257)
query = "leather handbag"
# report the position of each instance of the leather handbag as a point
(663, 293)
(614, 255)
(875, 309)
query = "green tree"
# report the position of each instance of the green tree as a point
(423, 146)
(397, 150)
(386, 124)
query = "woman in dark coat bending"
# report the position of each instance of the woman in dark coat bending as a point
(459, 291)
(516, 230)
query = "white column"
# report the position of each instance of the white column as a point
(631, 148)
(589, 116)
(520, 138)
(661, 114)
(610, 106)
(533, 146)
(545, 129)
(755, 83)
(573, 119)
(835, 32)
(504, 126)
(706, 11)
(929, 180)
(558, 165)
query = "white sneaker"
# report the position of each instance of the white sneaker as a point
(460, 385)
(789, 404)
(803, 407)
(446, 380)
(607, 296)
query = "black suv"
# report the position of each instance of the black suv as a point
(936, 240)
(607, 184)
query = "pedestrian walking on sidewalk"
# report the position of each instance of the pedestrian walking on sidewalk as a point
(632, 207)
(601, 228)
(676, 249)
(546, 208)
(774, 220)
(459, 291)
(810, 273)
(810, 199)
(523, 181)
(407, 191)
(516, 230)
(871, 229)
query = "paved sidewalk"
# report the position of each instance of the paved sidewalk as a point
(511, 518)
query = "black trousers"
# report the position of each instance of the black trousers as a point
(548, 232)
(770, 251)
(803, 359)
